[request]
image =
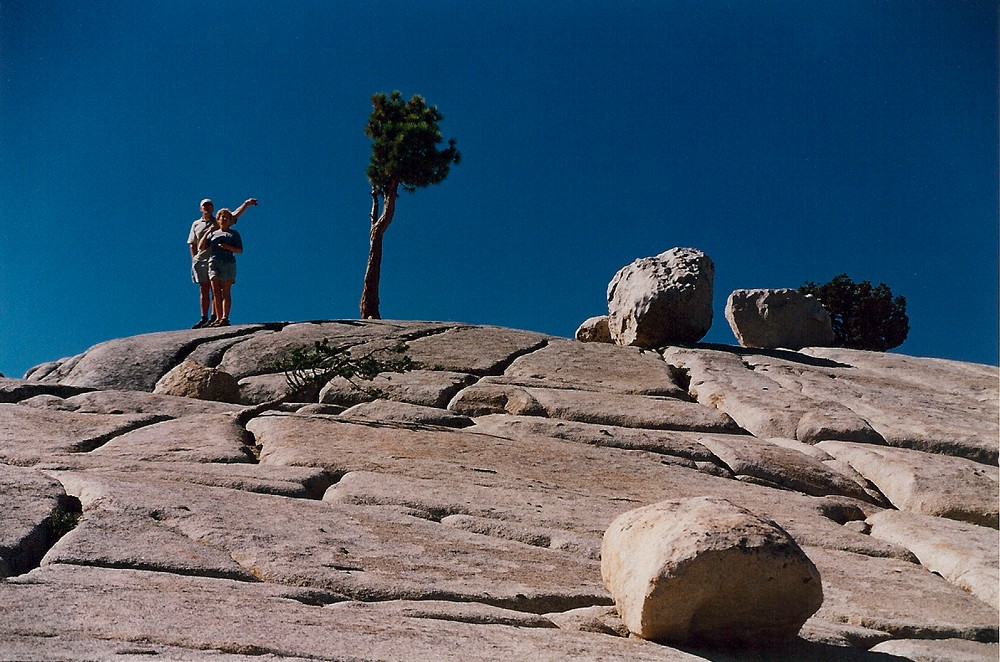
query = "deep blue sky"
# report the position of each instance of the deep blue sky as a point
(789, 140)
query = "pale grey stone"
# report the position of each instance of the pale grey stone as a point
(601, 620)
(778, 318)
(926, 483)
(258, 389)
(30, 501)
(17, 390)
(764, 407)
(402, 412)
(935, 405)
(189, 379)
(480, 350)
(428, 388)
(247, 620)
(196, 438)
(939, 650)
(635, 411)
(964, 554)
(682, 444)
(595, 367)
(28, 435)
(656, 301)
(704, 570)
(594, 329)
(749, 456)
(136, 363)
(139, 402)
(900, 598)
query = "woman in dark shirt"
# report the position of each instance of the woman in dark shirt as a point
(224, 243)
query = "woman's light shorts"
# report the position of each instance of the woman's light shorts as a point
(224, 270)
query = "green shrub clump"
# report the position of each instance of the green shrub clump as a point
(863, 316)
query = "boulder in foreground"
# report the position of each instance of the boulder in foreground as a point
(704, 571)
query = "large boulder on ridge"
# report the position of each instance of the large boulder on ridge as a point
(656, 301)
(703, 570)
(778, 318)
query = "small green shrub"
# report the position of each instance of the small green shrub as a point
(308, 367)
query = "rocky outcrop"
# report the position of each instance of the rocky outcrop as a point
(704, 571)
(193, 380)
(462, 506)
(594, 329)
(778, 318)
(660, 300)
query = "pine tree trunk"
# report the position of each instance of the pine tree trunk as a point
(373, 272)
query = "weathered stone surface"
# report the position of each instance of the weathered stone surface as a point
(593, 367)
(258, 389)
(925, 483)
(401, 412)
(656, 301)
(762, 406)
(964, 554)
(458, 472)
(939, 650)
(749, 456)
(30, 501)
(16, 390)
(637, 411)
(27, 434)
(258, 354)
(428, 388)
(704, 570)
(273, 622)
(485, 524)
(134, 402)
(368, 553)
(197, 438)
(778, 318)
(480, 350)
(286, 481)
(594, 329)
(900, 598)
(932, 405)
(681, 444)
(193, 380)
(136, 363)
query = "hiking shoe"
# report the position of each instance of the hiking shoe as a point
(223, 322)
(203, 322)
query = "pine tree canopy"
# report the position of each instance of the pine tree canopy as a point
(405, 137)
(863, 316)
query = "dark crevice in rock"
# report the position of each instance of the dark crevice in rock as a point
(237, 335)
(533, 604)
(29, 552)
(782, 354)
(501, 367)
(93, 443)
(207, 573)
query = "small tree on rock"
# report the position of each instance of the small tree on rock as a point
(863, 316)
(405, 138)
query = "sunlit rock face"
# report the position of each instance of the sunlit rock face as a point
(655, 301)
(778, 318)
(462, 506)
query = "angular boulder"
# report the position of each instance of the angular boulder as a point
(704, 571)
(661, 300)
(778, 318)
(594, 329)
(193, 380)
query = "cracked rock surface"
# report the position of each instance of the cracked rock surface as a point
(459, 513)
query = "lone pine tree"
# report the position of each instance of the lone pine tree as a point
(405, 138)
(863, 316)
